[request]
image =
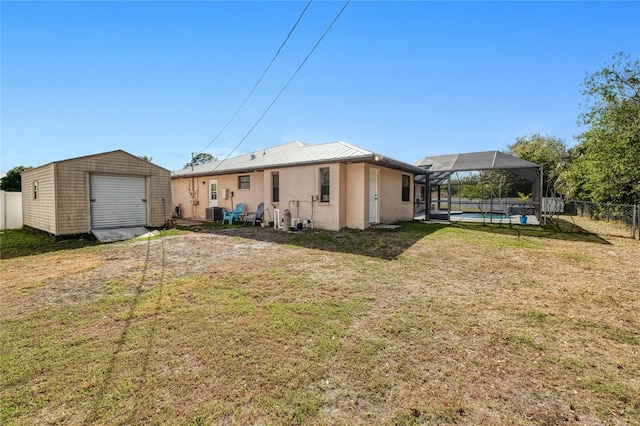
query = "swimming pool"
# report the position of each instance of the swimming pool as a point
(460, 216)
(486, 216)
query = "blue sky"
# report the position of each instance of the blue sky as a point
(404, 79)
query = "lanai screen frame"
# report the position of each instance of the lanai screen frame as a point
(440, 168)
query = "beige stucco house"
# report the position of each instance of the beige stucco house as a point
(102, 191)
(333, 185)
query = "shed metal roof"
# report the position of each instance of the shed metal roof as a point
(295, 153)
(100, 155)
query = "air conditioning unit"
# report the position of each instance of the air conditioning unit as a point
(214, 213)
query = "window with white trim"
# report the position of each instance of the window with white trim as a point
(244, 182)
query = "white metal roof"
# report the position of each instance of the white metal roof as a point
(294, 153)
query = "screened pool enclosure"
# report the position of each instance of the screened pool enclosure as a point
(485, 186)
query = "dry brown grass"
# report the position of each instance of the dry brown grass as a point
(426, 325)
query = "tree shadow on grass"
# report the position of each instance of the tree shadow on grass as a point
(24, 242)
(374, 242)
(560, 230)
(388, 244)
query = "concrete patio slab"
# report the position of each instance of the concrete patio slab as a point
(118, 234)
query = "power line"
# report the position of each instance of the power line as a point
(261, 77)
(286, 84)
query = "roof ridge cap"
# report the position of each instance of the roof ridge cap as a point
(352, 146)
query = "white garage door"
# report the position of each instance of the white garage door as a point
(118, 201)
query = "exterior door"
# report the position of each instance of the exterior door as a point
(373, 195)
(118, 201)
(213, 193)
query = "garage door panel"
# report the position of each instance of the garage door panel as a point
(118, 201)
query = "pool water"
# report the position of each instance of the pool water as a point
(487, 216)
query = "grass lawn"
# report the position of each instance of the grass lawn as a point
(427, 324)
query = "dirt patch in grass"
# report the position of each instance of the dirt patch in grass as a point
(21, 275)
(422, 325)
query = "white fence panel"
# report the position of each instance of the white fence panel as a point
(10, 210)
(552, 205)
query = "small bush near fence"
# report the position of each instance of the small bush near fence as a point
(603, 219)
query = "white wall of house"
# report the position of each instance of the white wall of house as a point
(10, 210)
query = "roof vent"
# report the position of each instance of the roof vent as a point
(253, 156)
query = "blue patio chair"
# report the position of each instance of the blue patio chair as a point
(256, 216)
(235, 214)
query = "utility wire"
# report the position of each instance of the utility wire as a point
(286, 85)
(261, 77)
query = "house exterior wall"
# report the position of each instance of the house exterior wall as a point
(349, 194)
(297, 187)
(296, 184)
(357, 196)
(249, 197)
(343, 195)
(192, 193)
(180, 195)
(40, 212)
(64, 207)
(392, 208)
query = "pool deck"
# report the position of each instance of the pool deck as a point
(513, 220)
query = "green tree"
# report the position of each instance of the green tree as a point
(548, 151)
(200, 158)
(468, 186)
(12, 182)
(605, 165)
(483, 185)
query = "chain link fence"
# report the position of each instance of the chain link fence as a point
(621, 220)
